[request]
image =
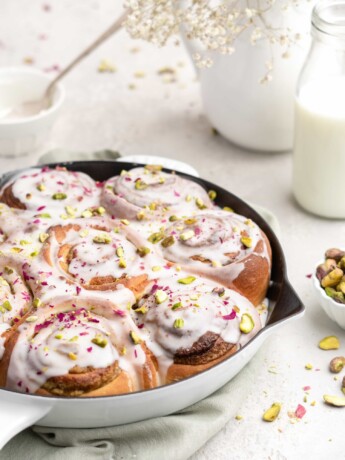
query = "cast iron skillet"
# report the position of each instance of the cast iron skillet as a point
(284, 305)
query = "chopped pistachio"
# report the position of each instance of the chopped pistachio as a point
(141, 310)
(34, 253)
(178, 323)
(7, 305)
(122, 263)
(190, 221)
(37, 302)
(143, 251)
(272, 413)
(228, 209)
(125, 221)
(187, 280)
(44, 215)
(70, 211)
(140, 185)
(8, 270)
(155, 238)
(176, 306)
(83, 233)
(308, 367)
(41, 187)
(173, 218)
(156, 268)
(216, 263)
(123, 351)
(72, 356)
(200, 204)
(337, 401)
(329, 343)
(86, 214)
(153, 168)
(246, 241)
(58, 336)
(135, 338)
(188, 198)
(24, 242)
(74, 339)
(16, 250)
(102, 239)
(153, 206)
(100, 341)
(119, 251)
(212, 194)
(238, 417)
(247, 323)
(168, 241)
(160, 296)
(140, 215)
(193, 296)
(59, 196)
(100, 210)
(43, 237)
(187, 235)
(31, 319)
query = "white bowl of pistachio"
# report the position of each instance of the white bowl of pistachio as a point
(329, 284)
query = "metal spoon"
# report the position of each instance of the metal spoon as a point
(30, 108)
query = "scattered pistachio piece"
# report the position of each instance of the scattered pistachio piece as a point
(187, 280)
(44, 215)
(70, 211)
(7, 305)
(86, 214)
(156, 268)
(125, 221)
(43, 237)
(337, 401)
(59, 196)
(100, 341)
(160, 296)
(153, 206)
(173, 218)
(141, 310)
(102, 239)
(143, 251)
(58, 336)
(329, 343)
(122, 263)
(123, 351)
(272, 413)
(247, 323)
(187, 235)
(100, 210)
(135, 338)
(153, 168)
(155, 238)
(41, 187)
(308, 367)
(140, 185)
(37, 302)
(200, 204)
(72, 356)
(228, 209)
(168, 241)
(176, 306)
(246, 241)
(140, 215)
(119, 252)
(31, 319)
(188, 198)
(178, 323)
(212, 194)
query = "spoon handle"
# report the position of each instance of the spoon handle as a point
(106, 34)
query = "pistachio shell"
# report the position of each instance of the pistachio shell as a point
(337, 364)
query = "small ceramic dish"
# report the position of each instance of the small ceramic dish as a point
(335, 310)
(20, 135)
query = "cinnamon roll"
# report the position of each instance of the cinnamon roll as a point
(191, 324)
(150, 193)
(95, 256)
(74, 351)
(48, 191)
(223, 246)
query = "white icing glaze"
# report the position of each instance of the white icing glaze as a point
(157, 194)
(79, 190)
(202, 310)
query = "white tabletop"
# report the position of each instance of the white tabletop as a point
(156, 117)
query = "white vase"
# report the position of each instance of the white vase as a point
(249, 113)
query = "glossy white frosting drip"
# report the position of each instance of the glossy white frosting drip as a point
(57, 341)
(200, 308)
(154, 193)
(47, 190)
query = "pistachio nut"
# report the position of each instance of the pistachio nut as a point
(247, 323)
(332, 278)
(337, 364)
(335, 295)
(337, 401)
(330, 342)
(272, 413)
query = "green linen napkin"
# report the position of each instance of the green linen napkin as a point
(174, 437)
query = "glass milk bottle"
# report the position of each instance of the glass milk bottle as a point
(319, 146)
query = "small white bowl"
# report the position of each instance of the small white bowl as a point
(335, 310)
(23, 135)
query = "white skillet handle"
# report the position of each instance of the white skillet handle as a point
(18, 412)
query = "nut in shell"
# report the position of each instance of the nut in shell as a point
(334, 253)
(332, 278)
(337, 364)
